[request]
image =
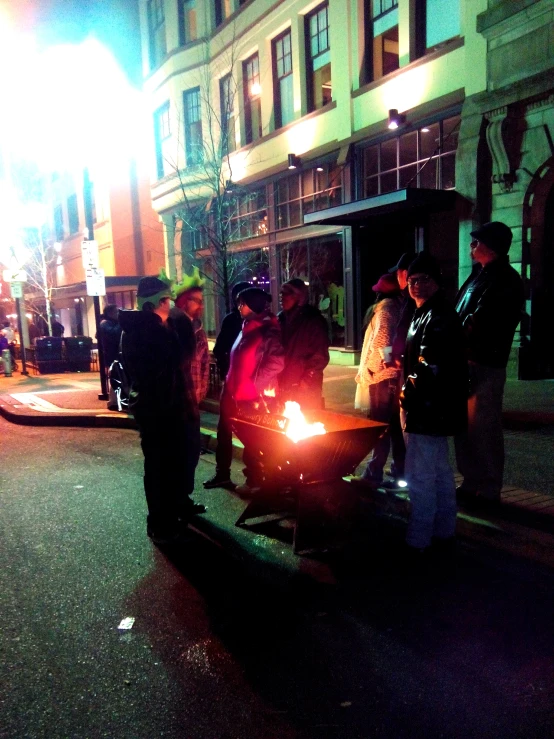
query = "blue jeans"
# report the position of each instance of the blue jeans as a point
(432, 489)
(384, 407)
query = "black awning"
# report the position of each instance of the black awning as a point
(355, 213)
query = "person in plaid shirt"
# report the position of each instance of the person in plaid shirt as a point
(189, 298)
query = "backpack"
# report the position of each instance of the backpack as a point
(119, 380)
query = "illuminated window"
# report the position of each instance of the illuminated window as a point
(227, 103)
(306, 192)
(187, 22)
(162, 133)
(223, 9)
(245, 214)
(252, 98)
(318, 58)
(194, 148)
(156, 32)
(422, 158)
(382, 38)
(282, 80)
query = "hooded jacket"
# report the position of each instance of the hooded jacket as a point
(157, 359)
(434, 396)
(257, 358)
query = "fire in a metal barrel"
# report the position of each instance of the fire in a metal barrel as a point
(303, 459)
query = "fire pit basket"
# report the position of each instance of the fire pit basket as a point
(310, 470)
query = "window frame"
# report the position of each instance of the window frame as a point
(440, 158)
(227, 114)
(252, 102)
(186, 37)
(311, 58)
(277, 78)
(161, 135)
(194, 142)
(157, 50)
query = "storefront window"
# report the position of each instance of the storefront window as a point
(319, 263)
(423, 158)
(306, 192)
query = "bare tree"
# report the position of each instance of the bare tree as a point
(33, 249)
(214, 214)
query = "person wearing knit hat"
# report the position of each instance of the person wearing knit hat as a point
(490, 305)
(257, 359)
(156, 355)
(377, 382)
(434, 406)
(254, 298)
(230, 329)
(305, 336)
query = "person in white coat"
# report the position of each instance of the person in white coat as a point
(378, 381)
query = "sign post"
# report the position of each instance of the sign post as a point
(16, 278)
(90, 262)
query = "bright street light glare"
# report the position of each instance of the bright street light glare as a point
(71, 106)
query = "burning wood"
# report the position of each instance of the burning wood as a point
(297, 427)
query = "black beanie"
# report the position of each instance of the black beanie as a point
(496, 235)
(427, 265)
(238, 288)
(255, 298)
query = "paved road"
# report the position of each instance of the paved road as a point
(216, 654)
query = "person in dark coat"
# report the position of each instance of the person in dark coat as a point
(157, 352)
(58, 329)
(489, 304)
(434, 405)
(306, 341)
(109, 333)
(257, 360)
(230, 329)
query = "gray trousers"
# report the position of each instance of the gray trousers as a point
(480, 451)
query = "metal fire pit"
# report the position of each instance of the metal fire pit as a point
(303, 480)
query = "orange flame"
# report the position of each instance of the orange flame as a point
(298, 428)
(269, 392)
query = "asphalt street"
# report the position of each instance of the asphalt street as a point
(216, 652)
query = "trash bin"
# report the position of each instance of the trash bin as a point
(49, 354)
(77, 353)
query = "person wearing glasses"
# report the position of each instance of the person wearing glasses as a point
(489, 304)
(189, 298)
(434, 407)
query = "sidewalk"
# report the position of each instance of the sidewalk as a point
(71, 399)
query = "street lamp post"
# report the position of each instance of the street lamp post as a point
(89, 219)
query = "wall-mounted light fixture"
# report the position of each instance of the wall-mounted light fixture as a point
(229, 186)
(395, 118)
(319, 169)
(294, 161)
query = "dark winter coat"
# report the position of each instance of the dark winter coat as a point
(434, 396)
(157, 358)
(257, 358)
(109, 332)
(230, 328)
(306, 341)
(489, 304)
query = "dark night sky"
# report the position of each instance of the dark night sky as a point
(113, 22)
